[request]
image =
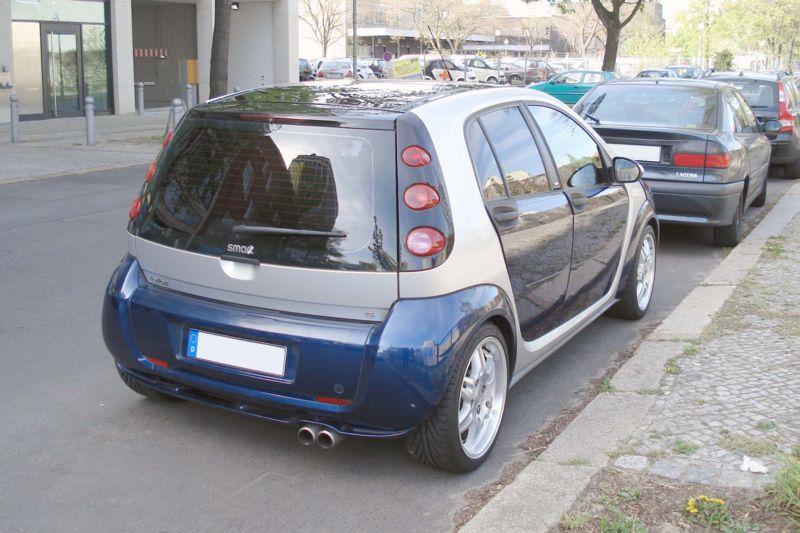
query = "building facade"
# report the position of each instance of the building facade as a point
(55, 53)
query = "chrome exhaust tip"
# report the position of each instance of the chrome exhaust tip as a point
(307, 435)
(328, 439)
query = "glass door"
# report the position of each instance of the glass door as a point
(63, 87)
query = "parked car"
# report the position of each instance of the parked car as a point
(657, 73)
(686, 72)
(542, 70)
(517, 75)
(278, 268)
(772, 97)
(306, 73)
(484, 72)
(704, 154)
(334, 69)
(570, 86)
(446, 70)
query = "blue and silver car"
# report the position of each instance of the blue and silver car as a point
(376, 259)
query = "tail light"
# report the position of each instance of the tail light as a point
(421, 196)
(168, 139)
(786, 118)
(349, 74)
(157, 362)
(425, 241)
(136, 206)
(151, 171)
(320, 74)
(722, 160)
(333, 401)
(415, 156)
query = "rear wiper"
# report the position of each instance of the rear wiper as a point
(272, 230)
(590, 117)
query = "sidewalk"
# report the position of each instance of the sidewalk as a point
(58, 146)
(718, 380)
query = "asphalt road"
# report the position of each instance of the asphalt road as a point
(80, 452)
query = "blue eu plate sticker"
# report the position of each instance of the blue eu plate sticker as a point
(191, 350)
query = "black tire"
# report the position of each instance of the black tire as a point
(437, 441)
(515, 79)
(792, 171)
(628, 306)
(730, 235)
(761, 199)
(144, 390)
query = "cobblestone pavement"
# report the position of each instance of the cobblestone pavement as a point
(737, 392)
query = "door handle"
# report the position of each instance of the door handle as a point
(578, 200)
(505, 214)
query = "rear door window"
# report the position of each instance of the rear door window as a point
(282, 194)
(516, 151)
(490, 179)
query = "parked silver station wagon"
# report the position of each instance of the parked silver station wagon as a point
(375, 259)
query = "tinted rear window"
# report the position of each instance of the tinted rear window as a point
(648, 105)
(222, 178)
(758, 94)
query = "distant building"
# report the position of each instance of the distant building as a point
(57, 52)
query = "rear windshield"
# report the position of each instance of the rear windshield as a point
(335, 65)
(684, 72)
(758, 94)
(661, 106)
(224, 186)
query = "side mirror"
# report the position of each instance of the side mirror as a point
(772, 128)
(627, 170)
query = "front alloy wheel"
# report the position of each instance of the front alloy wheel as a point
(463, 428)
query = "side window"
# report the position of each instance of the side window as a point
(752, 124)
(592, 77)
(516, 151)
(576, 154)
(738, 114)
(486, 169)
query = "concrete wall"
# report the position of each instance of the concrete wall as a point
(6, 58)
(250, 58)
(122, 56)
(284, 46)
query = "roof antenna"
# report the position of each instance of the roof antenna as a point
(441, 55)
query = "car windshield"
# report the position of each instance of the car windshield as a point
(683, 72)
(759, 94)
(335, 65)
(651, 105)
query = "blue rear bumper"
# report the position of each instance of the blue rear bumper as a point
(388, 375)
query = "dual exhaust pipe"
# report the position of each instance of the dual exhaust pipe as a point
(325, 438)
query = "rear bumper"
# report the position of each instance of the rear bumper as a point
(701, 204)
(390, 374)
(785, 151)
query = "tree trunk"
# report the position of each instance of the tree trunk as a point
(612, 47)
(219, 47)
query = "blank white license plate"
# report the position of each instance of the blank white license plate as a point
(637, 152)
(239, 353)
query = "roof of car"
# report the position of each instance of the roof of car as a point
(671, 82)
(743, 74)
(362, 98)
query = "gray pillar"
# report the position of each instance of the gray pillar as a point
(140, 98)
(189, 96)
(14, 118)
(177, 112)
(89, 108)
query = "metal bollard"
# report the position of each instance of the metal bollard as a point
(177, 112)
(14, 118)
(140, 98)
(189, 96)
(89, 108)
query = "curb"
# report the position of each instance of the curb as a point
(550, 485)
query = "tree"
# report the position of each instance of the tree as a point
(220, 43)
(580, 27)
(614, 19)
(325, 19)
(452, 21)
(723, 60)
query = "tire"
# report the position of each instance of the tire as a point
(792, 172)
(730, 235)
(761, 199)
(144, 390)
(638, 290)
(515, 79)
(438, 441)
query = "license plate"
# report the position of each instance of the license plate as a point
(637, 152)
(248, 355)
